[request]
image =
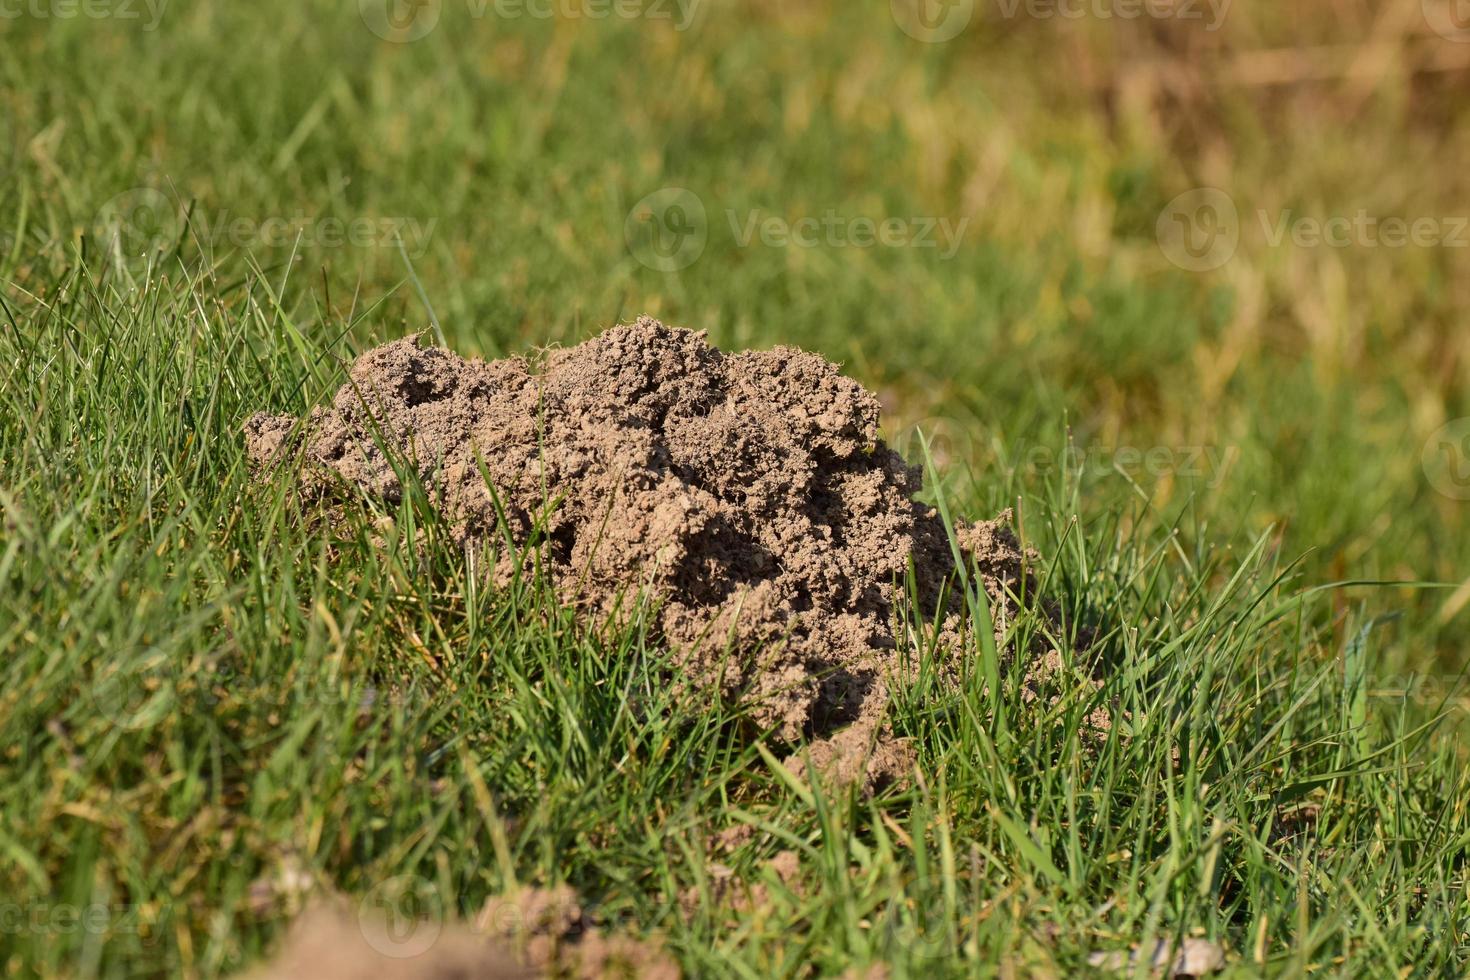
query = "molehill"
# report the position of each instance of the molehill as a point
(746, 495)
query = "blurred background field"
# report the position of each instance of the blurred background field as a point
(503, 178)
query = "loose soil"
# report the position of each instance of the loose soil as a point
(747, 494)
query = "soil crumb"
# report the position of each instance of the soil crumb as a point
(747, 493)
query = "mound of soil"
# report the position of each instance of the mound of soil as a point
(747, 493)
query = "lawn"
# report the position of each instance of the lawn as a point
(1243, 467)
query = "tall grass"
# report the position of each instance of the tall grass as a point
(207, 697)
(206, 694)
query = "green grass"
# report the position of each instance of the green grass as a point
(202, 690)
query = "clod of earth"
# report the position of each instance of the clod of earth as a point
(748, 494)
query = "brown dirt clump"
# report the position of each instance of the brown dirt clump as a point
(747, 493)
